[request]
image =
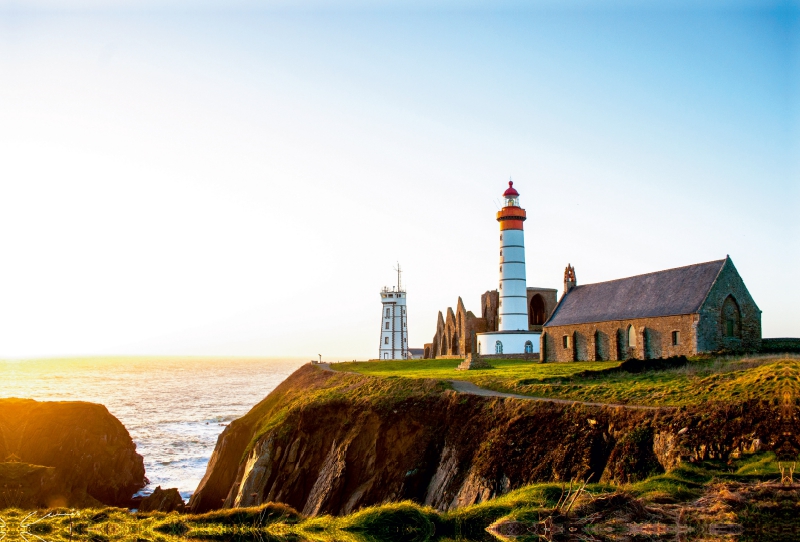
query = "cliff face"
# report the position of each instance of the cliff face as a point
(326, 442)
(77, 453)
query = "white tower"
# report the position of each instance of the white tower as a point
(512, 336)
(513, 309)
(394, 329)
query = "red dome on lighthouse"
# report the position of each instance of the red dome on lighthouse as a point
(510, 192)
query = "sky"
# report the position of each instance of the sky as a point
(239, 178)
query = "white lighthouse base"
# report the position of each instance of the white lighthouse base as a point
(510, 342)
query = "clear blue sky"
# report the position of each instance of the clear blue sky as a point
(239, 178)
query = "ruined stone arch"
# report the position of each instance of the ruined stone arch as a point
(536, 311)
(731, 318)
(631, 337)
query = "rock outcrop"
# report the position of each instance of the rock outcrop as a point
(162, 500)
(65, 454)
(330, 443)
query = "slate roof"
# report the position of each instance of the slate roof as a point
(664, 293)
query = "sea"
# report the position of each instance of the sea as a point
(173, 408)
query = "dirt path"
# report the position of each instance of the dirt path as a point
(464, 386)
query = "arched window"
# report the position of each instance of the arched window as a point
(536, 314)
(631, 337)
(387, 312)
(528, 347)
(731, 318)
(498, 347)
(599, 349)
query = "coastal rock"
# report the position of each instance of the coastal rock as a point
(65, 454)
(162, 500)
(326, 442)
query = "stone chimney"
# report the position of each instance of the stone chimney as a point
(569, 279)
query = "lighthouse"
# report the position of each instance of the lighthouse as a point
(512, 335)
(394, 328)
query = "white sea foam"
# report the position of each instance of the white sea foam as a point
(173, 408)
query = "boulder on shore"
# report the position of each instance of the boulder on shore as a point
(162, 500)
(63, 453)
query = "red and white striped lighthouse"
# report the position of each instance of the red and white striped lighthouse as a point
(513, 309)
(512, 335)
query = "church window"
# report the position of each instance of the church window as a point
(631, 336)
(498, 347)
(385, 355)
(386, 340)
(565, 340)
(536, 314)
(387, 313)
(731, 318)
(676, 338)
(387, 325)
(528, 347)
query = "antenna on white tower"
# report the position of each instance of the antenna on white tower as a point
(399, 276)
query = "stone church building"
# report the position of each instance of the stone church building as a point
(455, 332)
(684, 311)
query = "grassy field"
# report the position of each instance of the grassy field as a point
(736, 492)
(730, 378)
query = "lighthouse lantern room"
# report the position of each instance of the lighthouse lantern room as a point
(394, 326)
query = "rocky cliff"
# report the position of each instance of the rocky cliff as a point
(65, 454)
(327, 442)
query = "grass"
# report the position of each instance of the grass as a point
(726, 378)
(686, 486)
(314, 388)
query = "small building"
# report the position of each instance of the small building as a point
(416, 353)
(684, 311)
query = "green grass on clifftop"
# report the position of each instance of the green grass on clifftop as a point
(719, 379)
(742, 491)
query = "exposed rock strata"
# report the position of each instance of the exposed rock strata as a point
(448, 450)
(65, 454)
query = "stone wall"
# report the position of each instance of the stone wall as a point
(549, 297)
(729, 300)
(780, 345)
(490, 302)
(455, 333)
(602, 341)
